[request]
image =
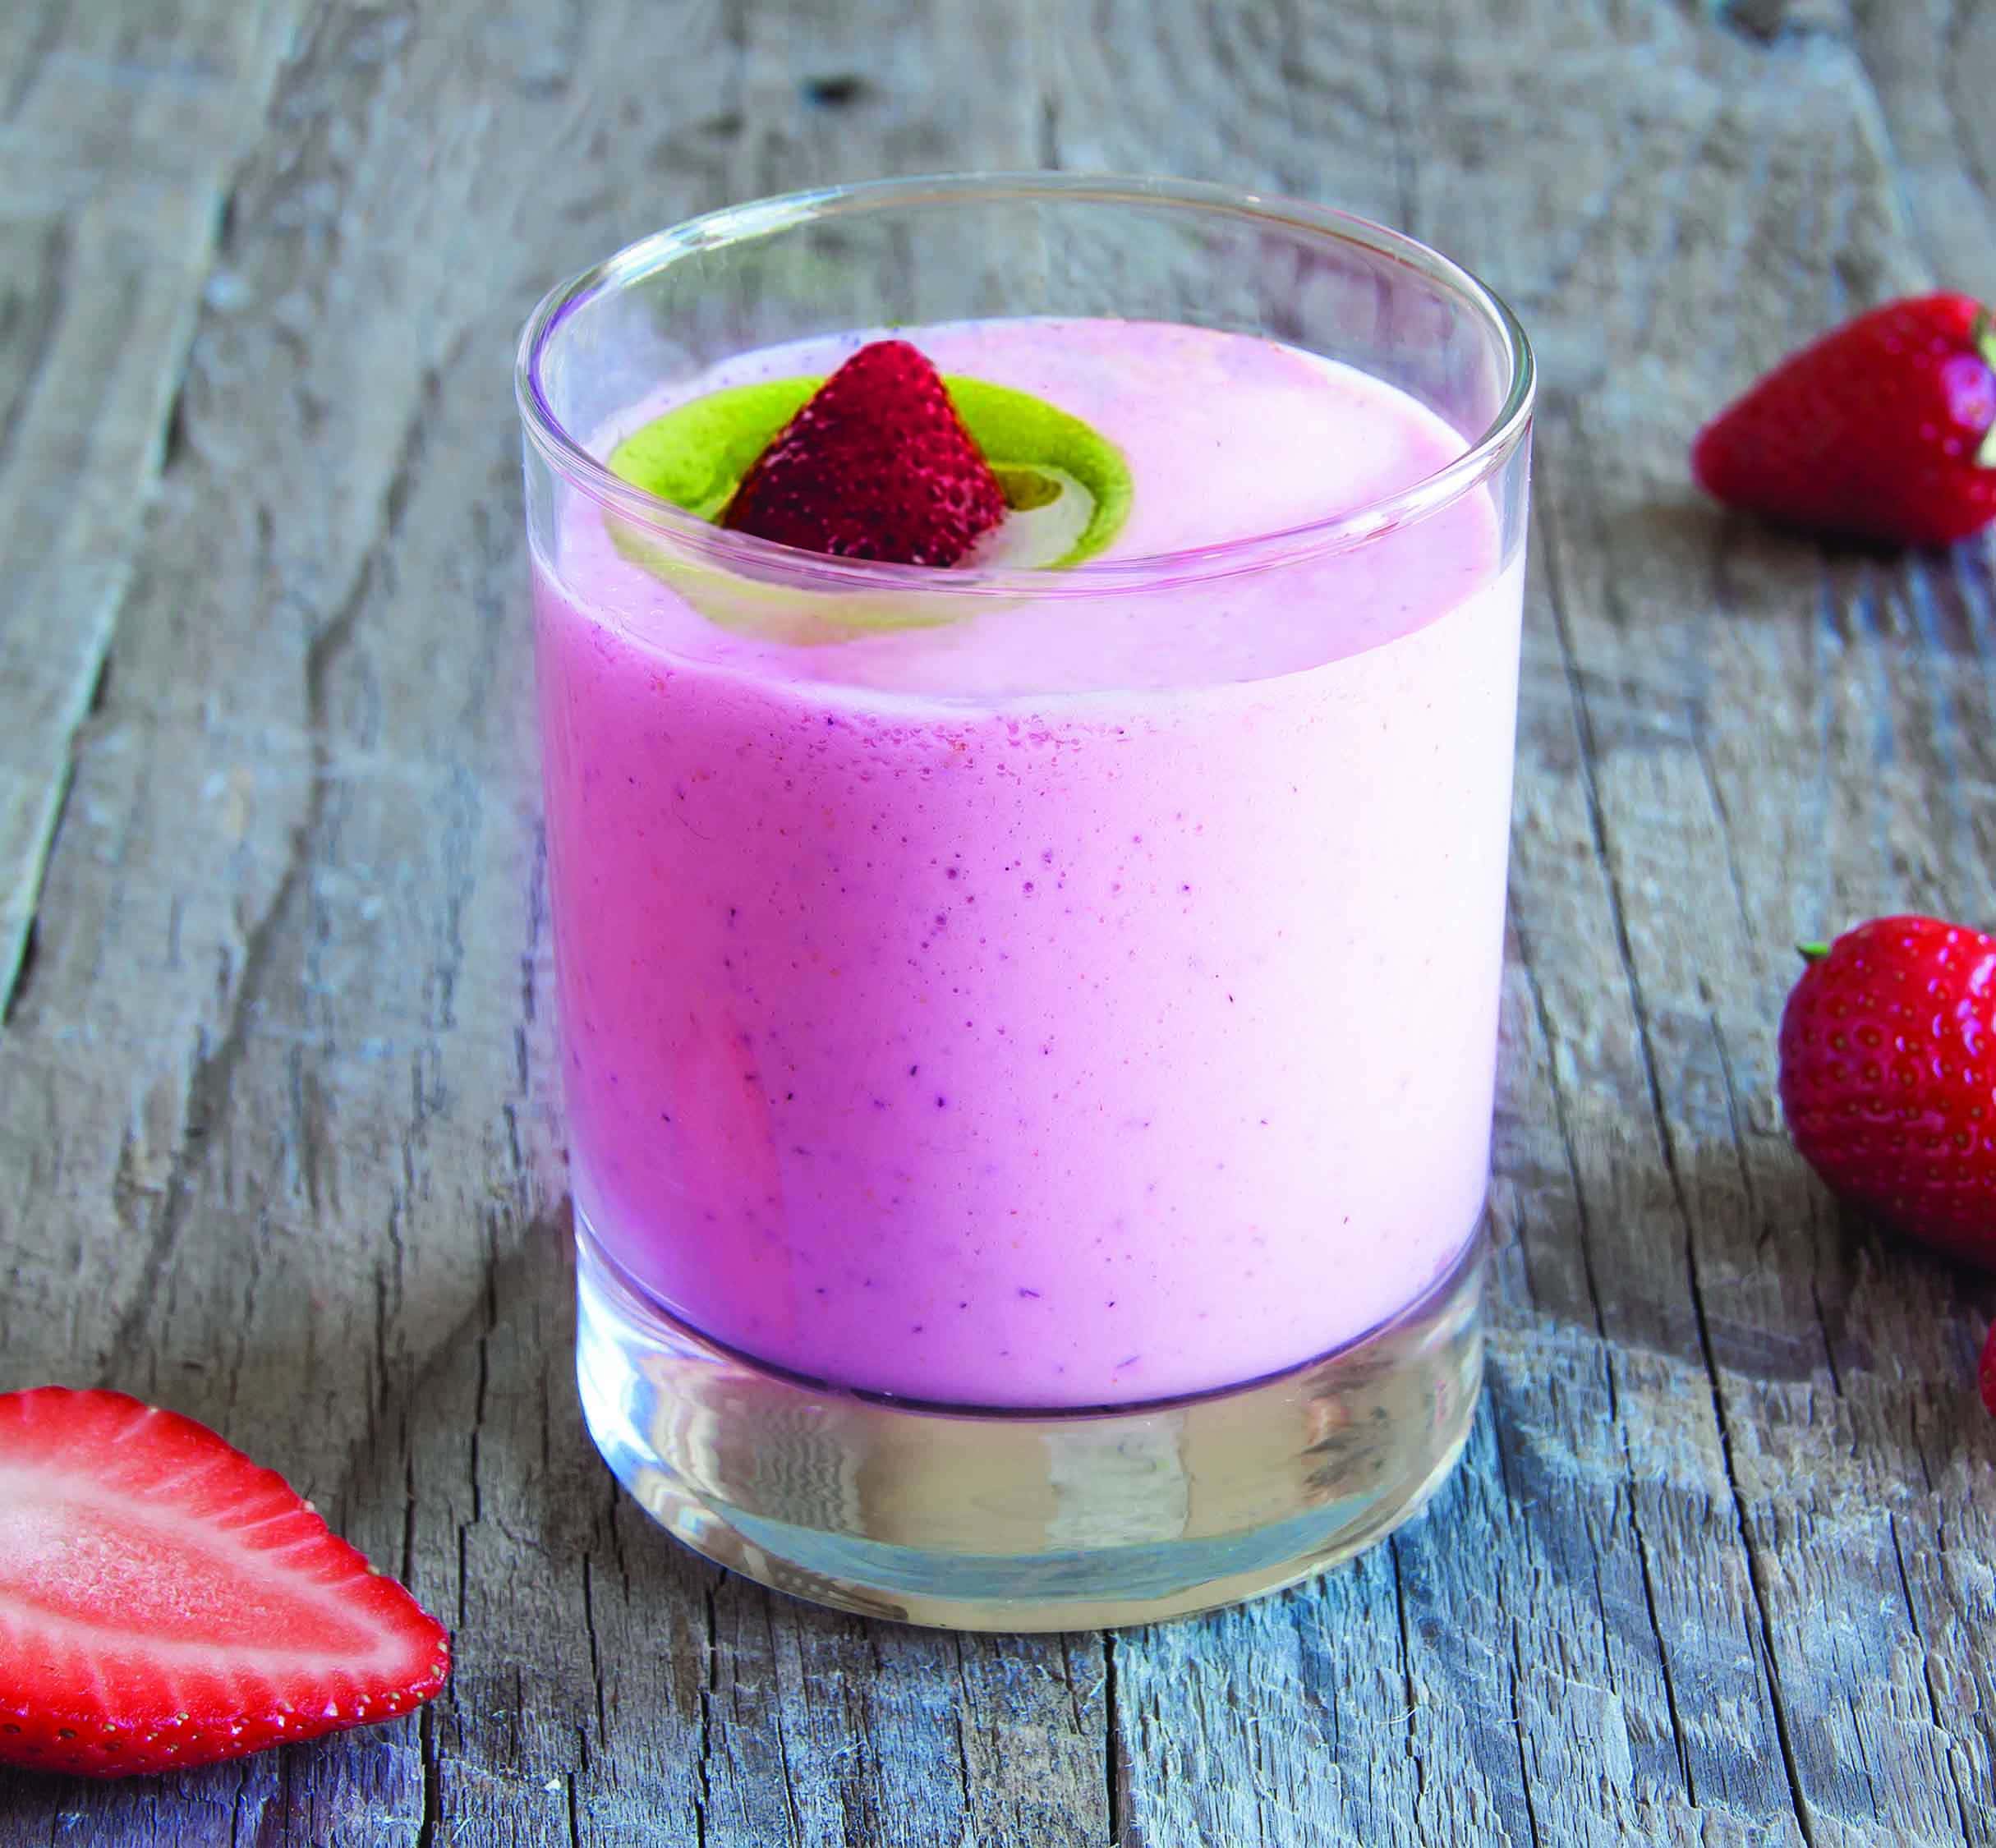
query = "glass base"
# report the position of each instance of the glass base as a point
(1026, 1520)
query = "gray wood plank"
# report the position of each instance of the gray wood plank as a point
(120, 125)
(1644, 1612)
(279, 1080)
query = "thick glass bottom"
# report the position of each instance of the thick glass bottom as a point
(1010, 1521)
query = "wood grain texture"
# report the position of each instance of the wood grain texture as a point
(118, 132)
(279, 1148)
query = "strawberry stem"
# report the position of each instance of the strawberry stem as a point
(1984, 337)
(1812, 951)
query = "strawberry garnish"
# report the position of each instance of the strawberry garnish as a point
(164, 1603)
(877, 465)
(1882, 430)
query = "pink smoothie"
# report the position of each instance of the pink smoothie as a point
(1090, 1000)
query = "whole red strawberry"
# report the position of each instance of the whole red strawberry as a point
(164, 1603)
(1882, 430)
(876, 465)
(1888, 1078)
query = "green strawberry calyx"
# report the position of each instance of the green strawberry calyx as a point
(1984, 337)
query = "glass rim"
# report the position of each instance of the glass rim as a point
(765, 560)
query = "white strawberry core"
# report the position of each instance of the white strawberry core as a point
(75, 1560)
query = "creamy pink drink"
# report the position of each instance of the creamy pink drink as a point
(1086, 1000)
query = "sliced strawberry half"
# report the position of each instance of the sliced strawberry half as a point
(165, 1602)
(877, 465)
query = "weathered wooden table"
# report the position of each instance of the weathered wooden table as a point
(280, 1146)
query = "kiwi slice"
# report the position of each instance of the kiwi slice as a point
(1044, 456)
(1071, 479)
(695, 455)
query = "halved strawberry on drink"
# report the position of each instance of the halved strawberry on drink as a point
(164, 1603)
(876, 465)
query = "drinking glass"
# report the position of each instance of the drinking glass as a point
(1028, 1036)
